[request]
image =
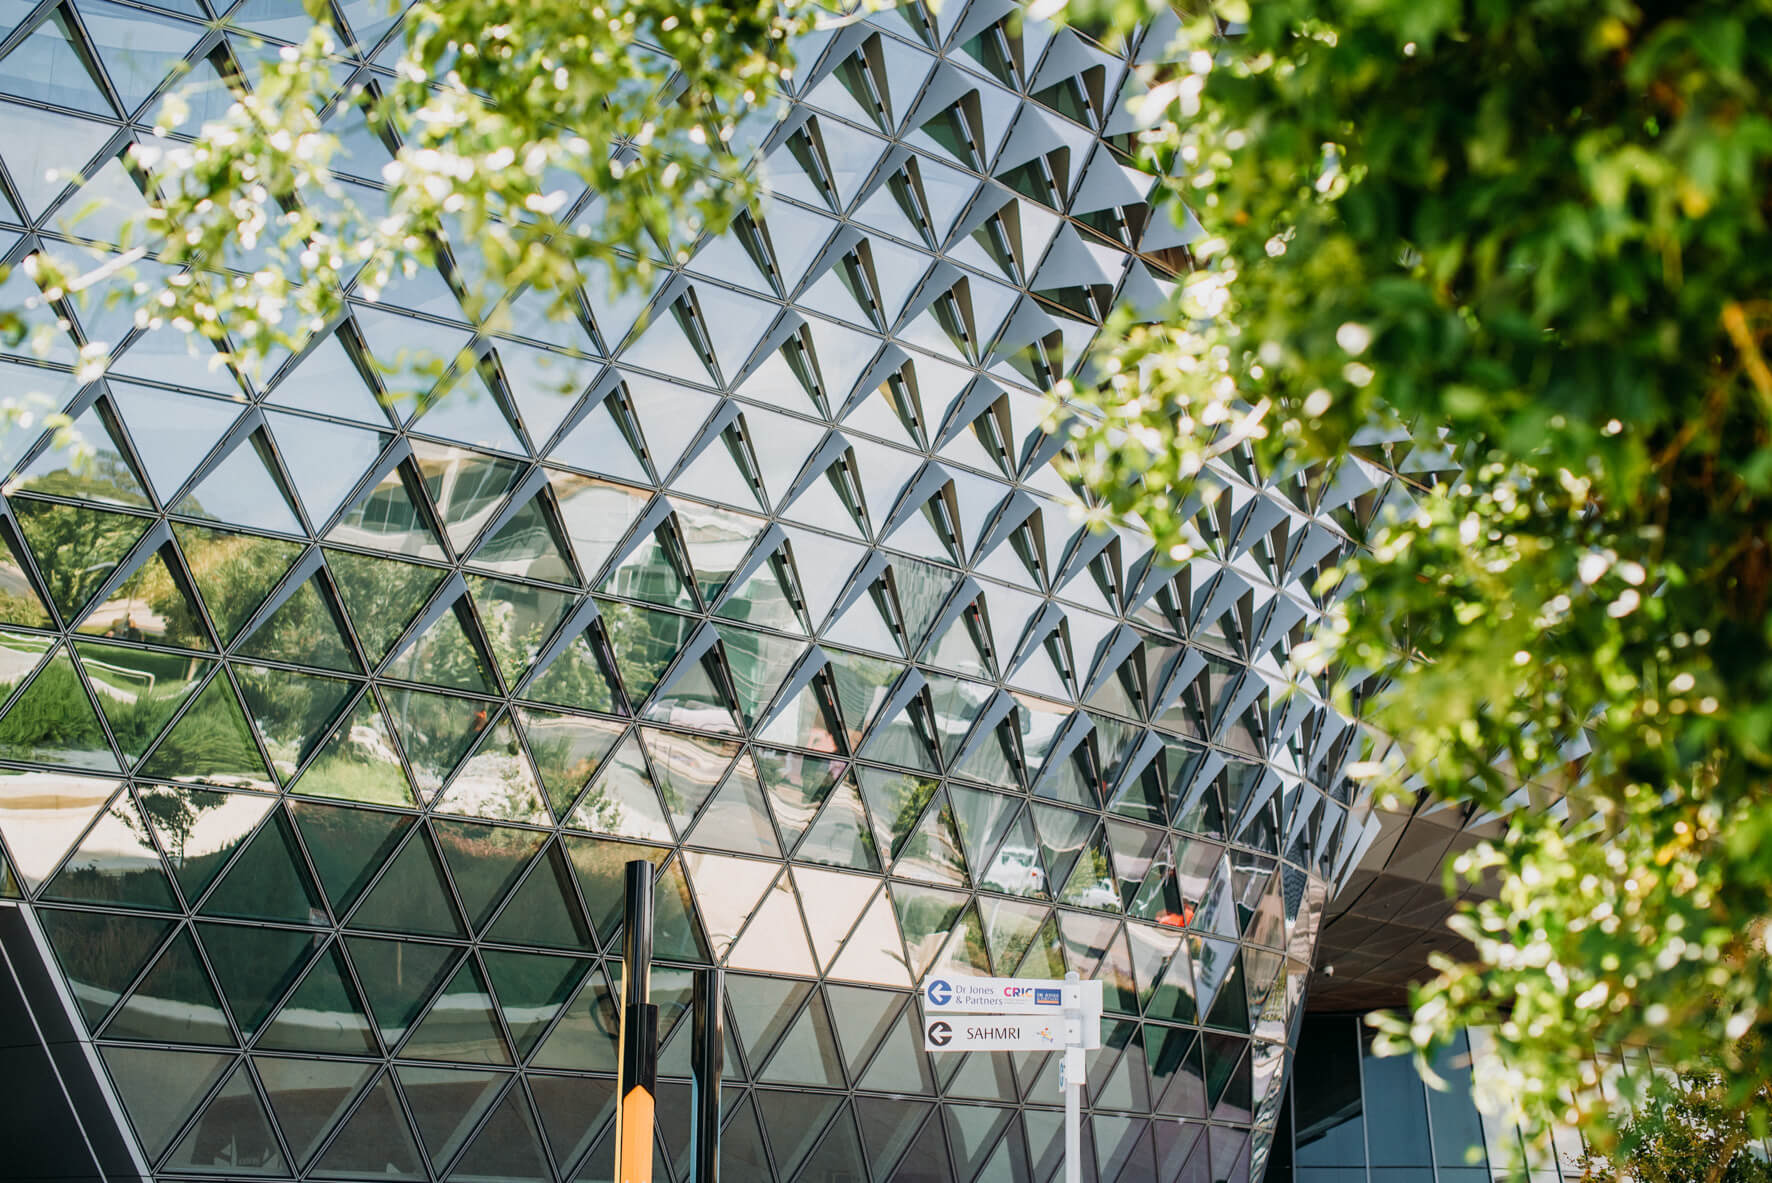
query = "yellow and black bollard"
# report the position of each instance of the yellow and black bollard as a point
(638, 1081)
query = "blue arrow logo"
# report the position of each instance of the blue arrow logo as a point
(940, 993)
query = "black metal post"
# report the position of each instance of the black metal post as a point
(638, 1080)
(707, 1059)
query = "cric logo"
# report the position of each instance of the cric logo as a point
(940, 993)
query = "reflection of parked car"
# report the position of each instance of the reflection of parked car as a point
(1098, 895)
(1017, 872)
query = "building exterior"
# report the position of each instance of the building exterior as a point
(332, 713)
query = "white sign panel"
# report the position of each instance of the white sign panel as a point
(1011, 996)
(994, 1033)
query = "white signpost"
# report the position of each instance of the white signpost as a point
(1021, 1015)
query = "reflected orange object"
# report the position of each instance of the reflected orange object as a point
(1179, 919)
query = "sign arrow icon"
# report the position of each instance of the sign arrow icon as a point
(940, 1033)
(940, 993)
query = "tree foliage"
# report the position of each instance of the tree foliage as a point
(1529, 239)
(547, 143)
(1687, 1133)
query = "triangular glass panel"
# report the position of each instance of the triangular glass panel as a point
(796, 784)
(160, 1088)
(448, 1104)
(244, 488)
(325, 460)
(411, 896)
(52, 721)
(544, 910)
(1010, 929)
(584, 1038)
(573, 1110)
(1091, 883)
(357, 762)
(467, 488)
(449, 652)
(393, 517)
(174, 1003)
(115, 863)
(598, 444)
(53, 64)
(173, 431)
(622, 799)
(874, 952)
(676, 933)
(138, 690)
(926, 916)
(842, 837)
(398, 978)
(234, 572)
(254, 965)
(323, 1014)
(519, 618)
(233, 1136)
(348, 845)
(832, 903)
(463, 408)
(89, 467)
(42, 815)
(485, 861)
(496, 782)
(653, 569)
(507, 1149)
(460, 1025)
(696, 695)
(737, 818)
(567, 750)
(530, 545)
(578, 676)
(794, 1121)
(308, 1096)
(76, 548)
(807, 1054)
(727, 890)
(211, 744)
(889, 1124)
(436, 731)
(530, 989)
(20, 602)
(374, 1143)
(329, 382)
(45, 150)
(305, 630)
(382, 596)
(293, 713)
(268, 881)
(100, 953)
(153, 604)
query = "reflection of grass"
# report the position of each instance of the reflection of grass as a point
(370, 781)
(51, 718)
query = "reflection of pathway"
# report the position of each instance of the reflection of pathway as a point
(16, 663)
(122, 615)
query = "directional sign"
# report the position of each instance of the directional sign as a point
(993, 1033)
(1011, 996)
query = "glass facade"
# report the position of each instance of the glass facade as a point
(1353, 1117)
(330, 712)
